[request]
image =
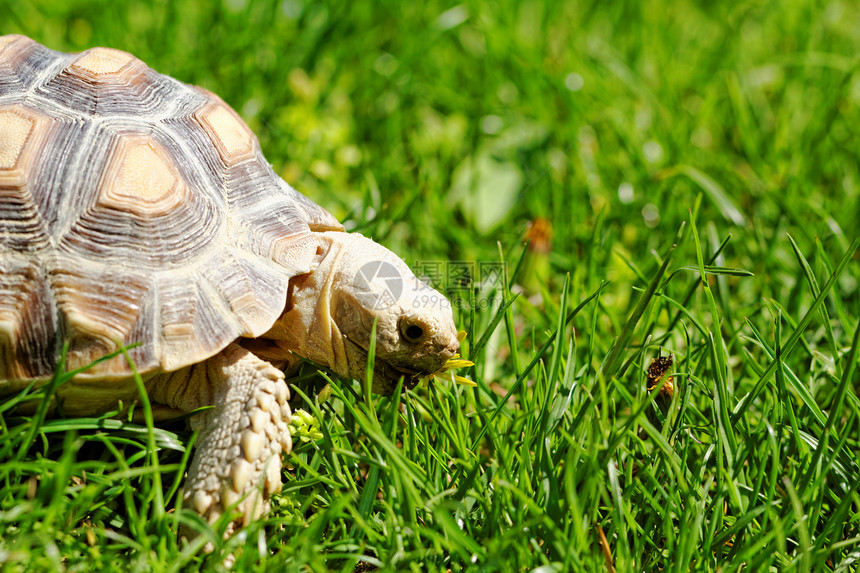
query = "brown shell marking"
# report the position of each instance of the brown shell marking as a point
(232, 136)
(318, 219)
(141, 179)
(26, 320)
(22, 135)
(105, 81)
(141, 210)
(103, 308)
(192, 321)
(20, 57)
(102, 61)
(15, 129)
(236, 143)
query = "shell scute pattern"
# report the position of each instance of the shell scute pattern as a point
(23, 133)
(106, 82)
(134, 209)
(102, 62)
(194, 321)
(141, 178)
(232, 136)
(27, 318)
(22, 62)
(252, 292)
(101, 307)
(146, 209)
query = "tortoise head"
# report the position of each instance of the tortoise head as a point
(355, 283)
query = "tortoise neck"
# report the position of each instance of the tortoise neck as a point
(307, 327)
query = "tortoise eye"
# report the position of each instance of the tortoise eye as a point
(411, 332)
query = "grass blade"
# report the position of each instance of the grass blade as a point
(798, 332)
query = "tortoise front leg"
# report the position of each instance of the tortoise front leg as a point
(241, 440)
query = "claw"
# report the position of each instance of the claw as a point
(252, 445)
(282, 393)
(229, 497)
(273, 477)
(258, 420)
(241, 474)
(202, 501)
(286, 442)
(267, 386)
(267, 402)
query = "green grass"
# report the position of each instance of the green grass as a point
(664, 142)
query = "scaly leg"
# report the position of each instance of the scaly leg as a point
(241, 440)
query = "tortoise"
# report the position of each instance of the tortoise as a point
(139, 210)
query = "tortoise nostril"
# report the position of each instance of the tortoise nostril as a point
(452, 348)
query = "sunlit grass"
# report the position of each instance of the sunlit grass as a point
(686, 178)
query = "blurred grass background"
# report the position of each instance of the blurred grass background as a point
(454, 132)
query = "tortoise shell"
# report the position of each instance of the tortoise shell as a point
(134, 209)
